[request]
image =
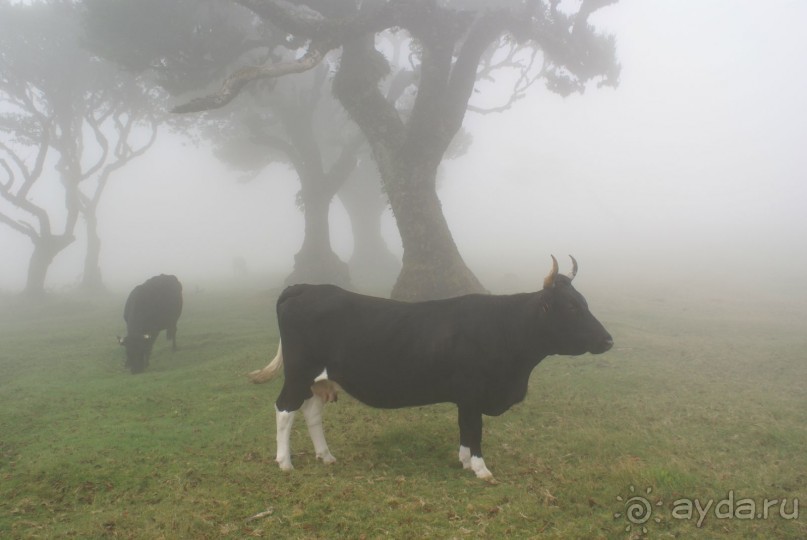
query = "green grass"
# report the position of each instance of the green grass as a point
(699, 398)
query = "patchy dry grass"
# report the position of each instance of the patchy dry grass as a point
(701, 398)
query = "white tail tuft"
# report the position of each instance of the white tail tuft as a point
(270, 371)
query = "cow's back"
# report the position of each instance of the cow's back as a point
(154, 305)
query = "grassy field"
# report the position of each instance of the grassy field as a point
(701, 405)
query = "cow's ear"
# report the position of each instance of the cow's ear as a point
(549, 281)
(121, 341)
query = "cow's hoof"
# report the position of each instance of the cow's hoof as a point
(285, 464)
(481, 471)
(327, 458)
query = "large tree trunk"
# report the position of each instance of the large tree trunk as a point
(316, 262)
(408, 156)
(432, 265)
(45, 250)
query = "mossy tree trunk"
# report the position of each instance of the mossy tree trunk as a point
(316, 261)
(432, 265)
(408, 152)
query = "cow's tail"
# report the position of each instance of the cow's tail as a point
(270, 371)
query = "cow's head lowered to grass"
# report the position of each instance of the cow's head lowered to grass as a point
(571, 328)
(138, 349)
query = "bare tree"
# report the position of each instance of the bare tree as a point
(124, 127)
(21, 173)
(62, 101)
(29, 125)
(452, 40)
(295, 121)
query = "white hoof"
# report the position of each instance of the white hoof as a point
(285, 464)
(327, 458)
(479, 468)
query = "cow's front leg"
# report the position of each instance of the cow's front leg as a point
(471, 443)
(150, 339)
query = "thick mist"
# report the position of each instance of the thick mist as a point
(691, 171)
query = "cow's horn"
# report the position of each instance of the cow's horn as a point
(574, 268)
(549, 281)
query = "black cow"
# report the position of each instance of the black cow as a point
(151, 307)
(476, 351)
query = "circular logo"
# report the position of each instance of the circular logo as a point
(637, 510)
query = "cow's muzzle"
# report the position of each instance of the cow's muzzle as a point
(603, 346)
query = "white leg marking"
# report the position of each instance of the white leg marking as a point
(312, 410)
(478, 465)
(465, 457)
(284, 422)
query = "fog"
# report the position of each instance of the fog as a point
(692, 170)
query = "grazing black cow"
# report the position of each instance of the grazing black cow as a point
(476, 351)
(151, 307)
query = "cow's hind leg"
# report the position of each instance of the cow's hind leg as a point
(294, 394)
(312, 410)
(285, 420)
(470, 454)
(171, 334)
(291, 398)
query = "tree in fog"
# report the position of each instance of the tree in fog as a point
(24, 151)
(187, 44)
(454, 43)
(124, 127)
(72, 111)
(295, 121)
(372, 265)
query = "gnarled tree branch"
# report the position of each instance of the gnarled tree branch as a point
(233, 85)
